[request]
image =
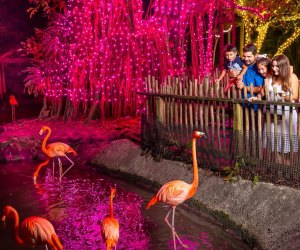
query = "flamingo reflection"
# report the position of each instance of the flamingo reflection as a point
(110, 226)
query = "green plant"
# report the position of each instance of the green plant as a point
(234, 174)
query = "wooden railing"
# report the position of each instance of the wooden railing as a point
(203, 105)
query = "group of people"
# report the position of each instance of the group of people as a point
(275, 76)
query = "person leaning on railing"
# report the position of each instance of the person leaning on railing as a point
(251, 75)
(282, 85)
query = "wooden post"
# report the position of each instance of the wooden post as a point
(253, 130)
(247, 128)
(268, 123)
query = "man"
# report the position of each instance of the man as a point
(251, 75)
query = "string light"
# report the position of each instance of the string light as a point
(289, 41)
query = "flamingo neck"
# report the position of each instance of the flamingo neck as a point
(195, 163)
(16, 228)
(111, 211)
(45, 141)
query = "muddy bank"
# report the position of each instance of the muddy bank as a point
(266, 213)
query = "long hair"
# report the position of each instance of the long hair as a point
(284, 74)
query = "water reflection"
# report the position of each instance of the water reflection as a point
(78, 204)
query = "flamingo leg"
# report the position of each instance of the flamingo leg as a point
(72, 164)
(173, 228)
(53, 164)
(60, 169)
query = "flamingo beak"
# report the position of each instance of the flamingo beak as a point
(41, 132)
(201, 134)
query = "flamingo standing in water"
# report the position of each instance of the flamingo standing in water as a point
(34, 230)
(55, 149)
(110, 226)
(177, 192)
(13, 102)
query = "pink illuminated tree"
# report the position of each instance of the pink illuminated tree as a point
(93, 57)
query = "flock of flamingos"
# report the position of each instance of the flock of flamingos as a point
(39, 231)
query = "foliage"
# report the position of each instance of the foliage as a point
(234, 174)
(284, 19)
(48, 6)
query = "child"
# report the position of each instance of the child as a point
(232, 63)
(264, 67)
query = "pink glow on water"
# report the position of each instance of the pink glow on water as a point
(78, 206)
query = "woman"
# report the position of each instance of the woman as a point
(282, 84)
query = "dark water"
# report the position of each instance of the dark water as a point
(80, 202)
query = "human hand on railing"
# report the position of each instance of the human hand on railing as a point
(253, 98)
(240, 85)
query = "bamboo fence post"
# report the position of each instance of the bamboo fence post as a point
(201, 106)
(223, 119)
(164, 91)
(180, 103)
(168, 99)
(206, 105)
(185, 108)
(172, 102)
(238, 126)
(159, 105)
(217, 90)
(282, 128)
(291, 109)
(259, 130)
(268, 123)
(196, 104)
(190, 104)
(212, 115)
(253, 130)
(275, 123)
(247, 130)
(176, 101)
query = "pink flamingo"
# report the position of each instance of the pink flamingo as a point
(177, 192)
(34, 230)
(13, 102)
(55, 149)
(110, 226)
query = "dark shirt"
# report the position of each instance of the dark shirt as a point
(236, 64)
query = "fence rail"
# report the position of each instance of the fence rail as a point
(264, 133)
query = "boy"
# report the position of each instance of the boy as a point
(233, 66)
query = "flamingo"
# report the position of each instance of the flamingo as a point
(55, 149)
(176, 192)
(13, 102)
(110, 226)
(34, 230)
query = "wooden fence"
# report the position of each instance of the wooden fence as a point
(203, 105)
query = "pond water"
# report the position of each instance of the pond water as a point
(78, 204)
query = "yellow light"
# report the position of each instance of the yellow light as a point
(289, 41)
